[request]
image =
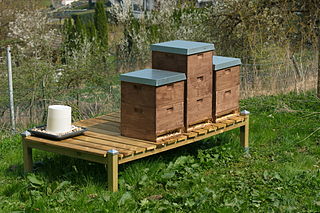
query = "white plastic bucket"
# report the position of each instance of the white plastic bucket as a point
(59, 119)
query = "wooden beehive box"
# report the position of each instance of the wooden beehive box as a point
(152, 103)
(195, 60)
(226, 86)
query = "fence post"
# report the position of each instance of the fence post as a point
(318, 50)
(10, 88)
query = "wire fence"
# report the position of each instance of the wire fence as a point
(89, 101)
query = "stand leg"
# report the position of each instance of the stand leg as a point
(112, 158)
(244, 134)
(27, 157)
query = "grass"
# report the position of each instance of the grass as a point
(45, 3)
(281, 173)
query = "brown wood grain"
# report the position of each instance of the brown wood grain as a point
(148, 111)
(170, 94)
(227, 99)
(191, 65)
(94, 144)
(138, 94)
(199, 64)
(199, 85)
(66, 144)
(116, 144)
(198, 109)
(188, 141)
(109, 118)
(121, 139)
(227, 78)
(169, 61)
(169, 118)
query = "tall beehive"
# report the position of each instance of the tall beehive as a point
(195, 60)
(226, 85)
(152, 103)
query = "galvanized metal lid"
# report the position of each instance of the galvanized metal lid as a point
(153, 77)
(221, 62)
(182, 47)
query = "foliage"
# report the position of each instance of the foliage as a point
(8, 10)
(281, 172)
(251, 30)
(48, 62)
(277, 37)
(101, 24)
(33, 35)
(169, 21)
(78, 31)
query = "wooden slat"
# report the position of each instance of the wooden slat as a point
(66, 144)
(162, 142)
(113, 144)
(191, 134)
(103, 125)
(109, 118)
(182, 138)
(102, 131)
(114, 114)
(175, 139)
(94, 121)
(171, 141)
(201, 131)
(228, 122)
(104, 148)
(66, 151)
(125, 140)
(219, 125)
(237, 119)
(224, 117)
(179, 144)
(210, 128)
(101, 121)
(109, 127)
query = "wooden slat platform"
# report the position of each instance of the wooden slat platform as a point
(104, 134)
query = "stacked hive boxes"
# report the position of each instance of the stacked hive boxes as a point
(195, 60)
(226, 85)
(152, 103)
(187, 85)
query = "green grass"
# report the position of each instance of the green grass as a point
(281, 173)
(45, 3)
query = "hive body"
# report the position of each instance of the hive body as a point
(226, 85)
(195, 60)
(151, 109)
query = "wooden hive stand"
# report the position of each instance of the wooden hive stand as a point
(102, 143)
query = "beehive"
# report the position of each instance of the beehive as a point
(226, 85)
(152, 103)
(195, 60)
